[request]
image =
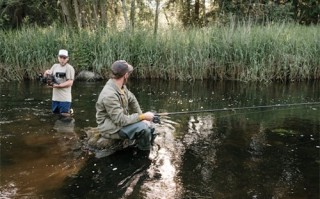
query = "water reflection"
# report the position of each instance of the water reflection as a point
(266, 164)
(201, 145)
(163, 181)
(109, 177)
(260, 153)
(35, 157)
(64, 125)
(132, 173)
(258, 143)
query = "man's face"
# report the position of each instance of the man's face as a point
(126, 78)
(63, 60)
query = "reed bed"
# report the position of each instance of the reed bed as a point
(242, 51)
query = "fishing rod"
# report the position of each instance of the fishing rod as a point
(235, 108)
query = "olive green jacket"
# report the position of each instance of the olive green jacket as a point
(112, 108)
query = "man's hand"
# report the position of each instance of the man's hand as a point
(47, 72)
(56, 86)
(148, 116)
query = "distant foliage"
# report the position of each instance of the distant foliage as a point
(135, 14)
(301, 11)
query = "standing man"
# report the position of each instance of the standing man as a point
(62, 75)
(119, 115)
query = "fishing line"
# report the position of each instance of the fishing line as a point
(253, 112)
(236, 108)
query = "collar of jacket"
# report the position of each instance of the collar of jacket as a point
(116, 87)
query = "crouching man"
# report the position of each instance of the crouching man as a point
(118, 113)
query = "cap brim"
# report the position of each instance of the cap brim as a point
(130, 68)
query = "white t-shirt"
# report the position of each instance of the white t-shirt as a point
(62, 74)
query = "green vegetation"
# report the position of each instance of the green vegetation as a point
(284, 132)
(243, 52)
(170, 39)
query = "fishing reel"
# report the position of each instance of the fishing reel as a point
(156, 119)
(48, 80)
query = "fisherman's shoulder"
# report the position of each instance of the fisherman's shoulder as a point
(108, 90)
(55, 65)
(69, 66)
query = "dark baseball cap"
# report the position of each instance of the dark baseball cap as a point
(120, 68)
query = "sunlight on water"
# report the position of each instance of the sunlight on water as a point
(163, 182)
(256, 153)
(8, 191)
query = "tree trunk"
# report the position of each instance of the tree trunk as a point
(113, 6)
(156, 20)
(196, 15)
(103, 9)
(167, 18)
(204, 13)
(95, 13)
(124, 11)
(66, 13)
(186, 13)
(77, 13)
(295, 9)
(132, 14)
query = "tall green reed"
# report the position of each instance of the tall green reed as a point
(239, 51)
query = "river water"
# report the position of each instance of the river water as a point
(270, 152)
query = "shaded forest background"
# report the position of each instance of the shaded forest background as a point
(147, 13)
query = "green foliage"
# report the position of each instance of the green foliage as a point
(257, 12)
(15, 13)
(241, 51)
(195, 13)
(301, 11)
(284, 132)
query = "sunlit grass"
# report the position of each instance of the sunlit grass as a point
(243, 52)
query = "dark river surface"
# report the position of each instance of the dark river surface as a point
(270, 152)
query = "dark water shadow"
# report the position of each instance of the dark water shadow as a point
(114, 176)
(237, 158)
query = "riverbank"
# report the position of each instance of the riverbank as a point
(245, 52)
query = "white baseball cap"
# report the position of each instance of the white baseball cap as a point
(63, 52)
